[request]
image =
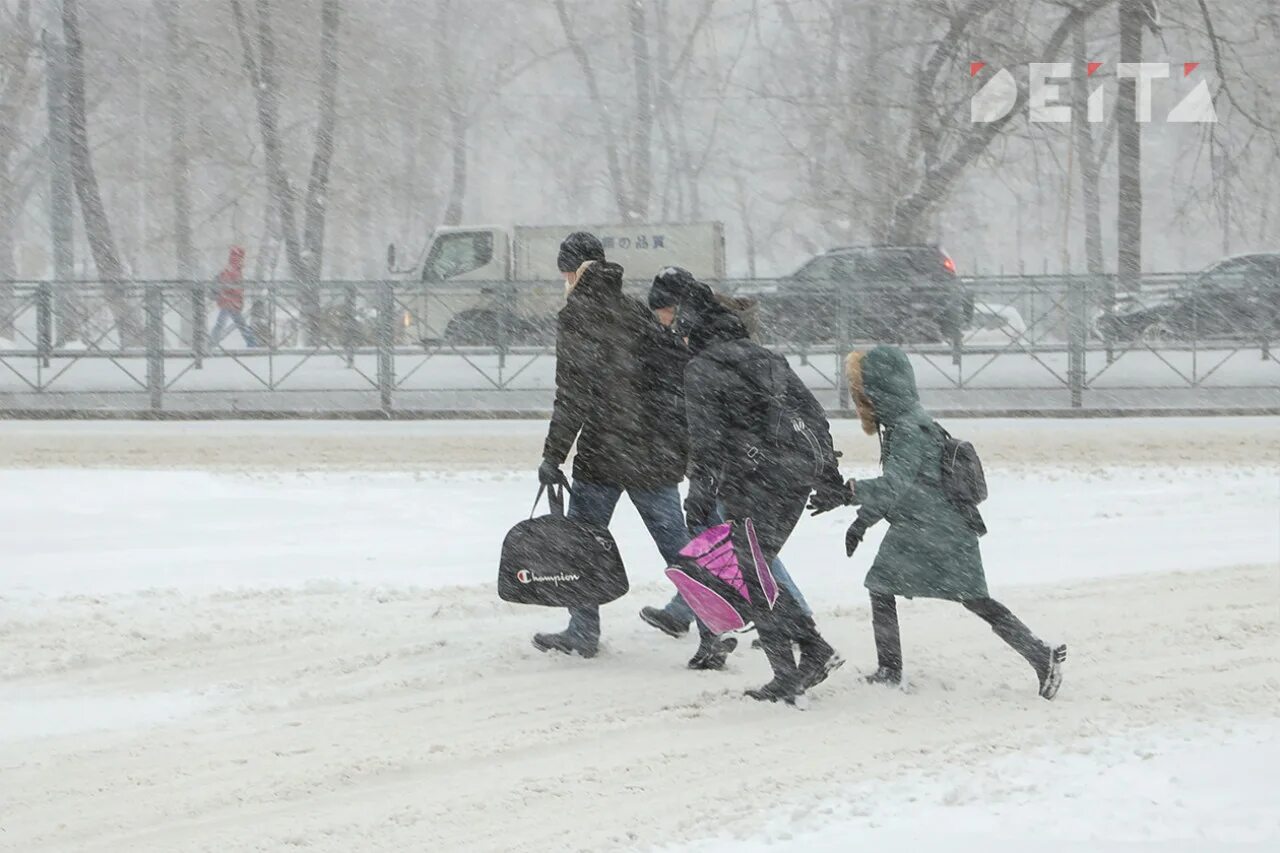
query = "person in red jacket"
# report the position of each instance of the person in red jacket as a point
(230, 300)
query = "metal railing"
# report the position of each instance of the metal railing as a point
(1040, 343)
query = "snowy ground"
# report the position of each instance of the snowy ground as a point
(307, 652)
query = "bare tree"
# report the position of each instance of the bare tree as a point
(180, 166)
(97, 225)
(17, 39)
(305, 253)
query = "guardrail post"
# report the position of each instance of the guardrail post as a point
(1077, 340)
(845, 337)
(386, 345)
(44, 322)
(199, 324)
(349, 324)
(153, 307)
(506, 310)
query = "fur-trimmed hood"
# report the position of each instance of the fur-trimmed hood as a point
(866, 414)
(883, 385)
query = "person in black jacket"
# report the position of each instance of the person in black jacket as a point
(619, 395)
(670, 287)
(757, 465)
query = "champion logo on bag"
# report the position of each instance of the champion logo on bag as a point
(526, 576)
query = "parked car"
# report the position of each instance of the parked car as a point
(1237, 298)
(898, 294)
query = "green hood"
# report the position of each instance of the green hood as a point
(889, 382)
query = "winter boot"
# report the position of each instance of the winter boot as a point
(663, 621)
(786, 685)
(887, 677)
(565, 643)
(780, 691)
(712, 652)
(1051, 673)
(817, 658)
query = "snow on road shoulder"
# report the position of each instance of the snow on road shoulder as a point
(1193, 788)
(98, 532)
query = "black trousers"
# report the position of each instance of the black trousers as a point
(774, 513)
(884, 621)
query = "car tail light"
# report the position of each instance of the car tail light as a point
(948, 264)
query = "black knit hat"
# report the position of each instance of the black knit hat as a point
(670, 287)
(578, 248)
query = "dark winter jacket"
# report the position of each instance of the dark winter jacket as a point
(618, 388)
(728, 385)
(930, 550)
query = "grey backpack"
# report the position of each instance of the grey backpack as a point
(962, 478)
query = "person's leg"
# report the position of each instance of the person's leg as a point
(774, 515)
(663, 515)
(215, 337)
(590, 503)
(784, 580)
(884, 624)
(237, 317)
(1011, 629)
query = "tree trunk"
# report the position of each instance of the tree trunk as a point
(15, 50)
(1090, 171)
(447, 57)
(642, 133)
(262, 76)
(179, 163)
(317, 202)
(1129, 153)
(97, 226)
(305, 256)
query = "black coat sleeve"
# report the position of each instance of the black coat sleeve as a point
(576, 391)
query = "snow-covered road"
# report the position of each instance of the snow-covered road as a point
(212, 660)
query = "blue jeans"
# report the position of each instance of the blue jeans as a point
(660, 510)
(236, 317)
(677, 609)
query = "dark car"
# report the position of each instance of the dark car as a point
(1235, 299)
(899, 294)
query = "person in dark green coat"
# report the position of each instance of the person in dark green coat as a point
(931, 547)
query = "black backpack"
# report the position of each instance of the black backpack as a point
(790, 439)
(962, 478)
(554, 561)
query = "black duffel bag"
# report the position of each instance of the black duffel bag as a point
(556, 562)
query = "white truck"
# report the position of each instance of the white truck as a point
(479, 285)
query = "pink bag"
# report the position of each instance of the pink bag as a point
(723, 577)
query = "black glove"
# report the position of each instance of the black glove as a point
(549, 474)
(853, 537)
(830, 496)
(700, 506)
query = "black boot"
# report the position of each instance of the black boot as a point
(786, 684)
(817, 658)
(1051, 674)
(887, 677)
(663, 621)
(565, 643)
(779, 691)
(712, 652)
(884, 623)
